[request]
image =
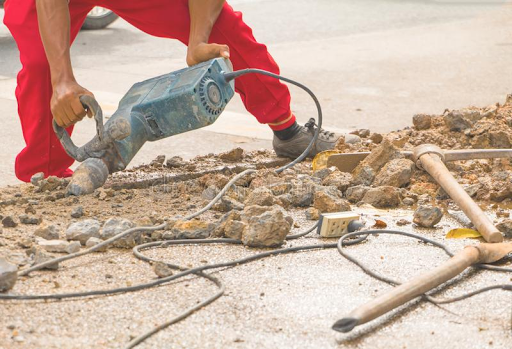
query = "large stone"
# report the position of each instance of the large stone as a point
(260, 196)
(8, 275)
(236, 154)
(455, 121)
(230, 216)
(74, 247)
(117, 225)
(338, 179)
(499, 139)
(234, 229)
(8, 222)
(91, 242)
(396, 173)
(269, 229)
(365, 172)
(48, 232)
(422, 121)
(356, 193)
(30, 219)
(505, 227)
(253, 211)
(326, 202)
(194, 229)
(59, 246)
(427, 216)
(382, 197)
(83, 230)
(226, 204)
(41, 256)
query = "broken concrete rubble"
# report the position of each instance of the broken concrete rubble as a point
(83, 230)
(267, 229)
(8, 275)
(427, 216)
(48, 232)
(382, 197)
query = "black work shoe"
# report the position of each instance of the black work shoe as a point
(293, 147)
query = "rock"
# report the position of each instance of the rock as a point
(210, 193)
(58, 246)
(363, 133)
(234, 229)
(8, 222)
(48, 232)
(324, 172)
(158, 161)
(408, 201)
(252, 211)
(356, 193)
(226, 204)
(175, 161)
(402, 222)
(30, 209)
(302, 196)
(194, 229)
(25, 242)
(396, 173)
(37, 178)
(91, 242)
(427, 216)
(365, 172)
(236, 154)
(260, 196)
(8, 275)
(376, 138)
(268, 229)
(338, 179)
(499, 139)
(456, 122)
(278, 189)
(230, 216)
(30, 219)
(326, 202)
(162, 270)
(422, 121)
(41, 257)
(382, 197)
(51, 183)
(83, 230)
(74, 247)
(505, 226)
(312, 214)
(473, 189)
(77, 212)
(117, 225)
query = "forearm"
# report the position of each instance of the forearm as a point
(54, 27)
(203, 15)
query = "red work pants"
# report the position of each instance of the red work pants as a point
(266, 98)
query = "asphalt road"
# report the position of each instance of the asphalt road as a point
(373, 64)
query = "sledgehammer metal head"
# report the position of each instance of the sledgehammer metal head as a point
(151, 110)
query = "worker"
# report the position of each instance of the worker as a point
(45, 29)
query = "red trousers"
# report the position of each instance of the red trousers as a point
(266, 98)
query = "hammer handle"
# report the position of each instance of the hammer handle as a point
(407, 291)
(433, 164)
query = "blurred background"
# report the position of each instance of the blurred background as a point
(373, 64)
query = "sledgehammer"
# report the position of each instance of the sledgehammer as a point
(431, 158)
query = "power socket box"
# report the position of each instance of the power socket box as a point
(335, 224)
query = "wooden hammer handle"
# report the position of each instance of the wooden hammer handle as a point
(433, 164)
(407, 291)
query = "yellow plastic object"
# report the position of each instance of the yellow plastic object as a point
(320, 160)
(463, 233)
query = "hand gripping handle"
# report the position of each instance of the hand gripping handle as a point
(80, 154)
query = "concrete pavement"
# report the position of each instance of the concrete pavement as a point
(372, 64)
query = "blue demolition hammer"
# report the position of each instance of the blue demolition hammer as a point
(151, 110)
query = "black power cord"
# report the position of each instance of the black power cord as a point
(200, 271)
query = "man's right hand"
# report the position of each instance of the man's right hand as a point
(65, 104)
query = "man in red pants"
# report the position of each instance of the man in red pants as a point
(45, 29)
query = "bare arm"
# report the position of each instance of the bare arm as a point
(203, 15)
(54, 27)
